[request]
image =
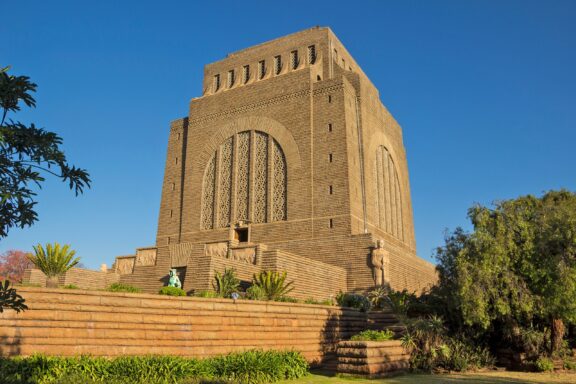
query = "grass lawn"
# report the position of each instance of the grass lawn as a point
(475, 378)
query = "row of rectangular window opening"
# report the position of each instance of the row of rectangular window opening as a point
(246, 74)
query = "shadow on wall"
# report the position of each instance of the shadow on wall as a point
(330, 335)
(10, 346)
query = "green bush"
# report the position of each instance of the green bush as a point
(71, 286)
(311, 300)
(570, 365)
(287, 299)
(353, 300)
(119, 287)
(172, 291)
(226, 283)
(544, 364)
(370, 335)
(255, 292)
(206, 294)
(432, 348)
(253, 366)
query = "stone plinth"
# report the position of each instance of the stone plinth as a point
(372, 358)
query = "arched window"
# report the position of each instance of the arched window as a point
(245, 179)
(388, 201)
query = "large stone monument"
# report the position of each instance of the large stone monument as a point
(290, 162)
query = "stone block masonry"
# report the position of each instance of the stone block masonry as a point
(287, 149)
(75, 322)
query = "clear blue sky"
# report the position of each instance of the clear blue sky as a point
(485, 92)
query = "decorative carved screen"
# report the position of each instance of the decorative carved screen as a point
(248, 182)
(388, 201)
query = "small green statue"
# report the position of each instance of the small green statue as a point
(174, 280)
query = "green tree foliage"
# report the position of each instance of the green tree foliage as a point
(273, 284)
(26, 153)
(516, 270)
(54, 260)
(226, 283)
(9, 299)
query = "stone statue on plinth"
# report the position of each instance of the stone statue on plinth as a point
(174, 279)
(380, 260)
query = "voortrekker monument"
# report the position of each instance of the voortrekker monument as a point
(287, 162)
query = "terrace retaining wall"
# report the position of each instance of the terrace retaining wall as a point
(73, 322)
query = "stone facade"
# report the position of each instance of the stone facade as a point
(288, 161)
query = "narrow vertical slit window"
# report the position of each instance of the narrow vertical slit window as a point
(171, 213)
(329, 127)
(231, 78)
(277, 64)
(312, 54)
(261, 69)
(329, 98)
(331, 223)
(331, 190)
(246, 73)
(294, 59)
(173, 186)
(216, 82)
(330, 157)
(335, 55)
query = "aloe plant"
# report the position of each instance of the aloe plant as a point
(53, 261)
(273, 284)
(226, 283)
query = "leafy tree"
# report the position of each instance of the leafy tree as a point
(273, 284)
(54, 261)
(26, 153)
(9, 299)
(13, 263)
(516, 270)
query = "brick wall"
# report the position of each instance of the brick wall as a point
(64, 322)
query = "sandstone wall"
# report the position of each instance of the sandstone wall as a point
(65, 322)
(80, 277)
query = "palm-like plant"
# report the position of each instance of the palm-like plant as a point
(226, 283)
(273, 284)
(53, 261)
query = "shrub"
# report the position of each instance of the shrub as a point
(400, 301)
(53, 261)
(273, 284)
(353, 300)
(431, 348)
(9, 299)
(226, 283)
(172, 291)
(253, 366)
(370, 335)
(570, 365)
(544, 364)
(378, 297)
(71, 286)
(311, 300)
(255, 292)
(287, 299)
(206, 294)
(119, 287)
